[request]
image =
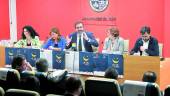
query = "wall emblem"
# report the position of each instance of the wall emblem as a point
(99, 5)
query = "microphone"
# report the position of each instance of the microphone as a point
(73, 46)
(140, 44)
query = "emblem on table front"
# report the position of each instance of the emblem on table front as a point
(11, 54)
(115, 62)
(85, 60)
(58, 59)
(33, 56)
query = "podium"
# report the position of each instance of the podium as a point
(136, 66)
(2, 56)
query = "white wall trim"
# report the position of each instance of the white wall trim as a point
(13, 20)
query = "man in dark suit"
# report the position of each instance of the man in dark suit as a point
(81, 40)
(146, 45)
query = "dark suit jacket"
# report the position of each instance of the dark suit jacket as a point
(87, 44)
(153, 48)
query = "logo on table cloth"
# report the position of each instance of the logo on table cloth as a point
(58, 59)
(85, 60)
(33, 56)
(99, 5)
(11, 54)
(115, 62)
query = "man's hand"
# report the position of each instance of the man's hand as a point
(142, 48)
(68, 39)
(51, 47)
(85, 36)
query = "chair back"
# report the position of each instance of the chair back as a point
(20, 92)
(139, 88)
(2, 92)
(95, 86)
(9, 78)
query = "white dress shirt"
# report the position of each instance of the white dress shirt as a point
(80, 35)
(145, 45)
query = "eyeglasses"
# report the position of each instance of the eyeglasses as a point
(79, 27)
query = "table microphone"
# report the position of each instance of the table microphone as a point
(140, 44)
(73, 46)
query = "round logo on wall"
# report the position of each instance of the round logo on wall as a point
(99, 5)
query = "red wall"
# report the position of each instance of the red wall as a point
(4, 19)
(167, 29)
(130, 16)
(45, 14)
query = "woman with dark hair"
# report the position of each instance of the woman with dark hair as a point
(56, 41)
(29, 38)
(20, 63)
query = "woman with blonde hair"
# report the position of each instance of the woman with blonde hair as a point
(113, 44)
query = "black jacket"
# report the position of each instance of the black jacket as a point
(153, 48)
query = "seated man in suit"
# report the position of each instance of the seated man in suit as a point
(113, 44)
(81, 40)
(146, 45)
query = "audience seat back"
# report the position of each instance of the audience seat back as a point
(95, 86)
(139, 88)
(9, 78)
(2, 92)
(20, 92)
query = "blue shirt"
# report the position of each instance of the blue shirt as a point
(60, 44)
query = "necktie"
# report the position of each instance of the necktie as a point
(80, 45)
